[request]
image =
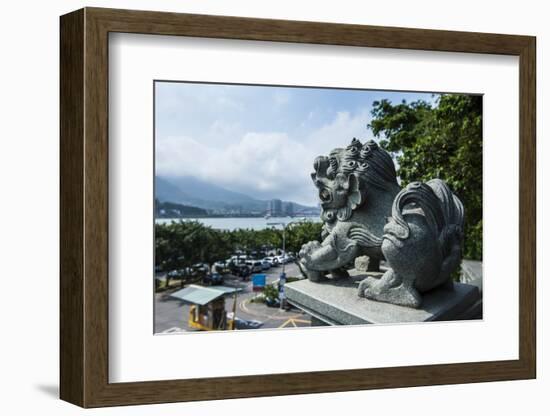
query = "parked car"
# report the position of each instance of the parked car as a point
(245, 272)
(212, 279)
(247, 323)
(282, 259)
(255, 266)
(176, 274)
(241, 258)
(200, 268)
(221, 267)
(272, 260)
(286, 258)
(266, 265)
(241, 270)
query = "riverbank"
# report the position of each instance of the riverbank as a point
(235, 223)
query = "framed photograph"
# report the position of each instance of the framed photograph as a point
(254, 207)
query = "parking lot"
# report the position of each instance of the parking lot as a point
(171, 314)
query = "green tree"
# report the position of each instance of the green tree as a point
(440, 141)
(179, 245)
(300, 233)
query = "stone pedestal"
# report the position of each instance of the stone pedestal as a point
(338, 303)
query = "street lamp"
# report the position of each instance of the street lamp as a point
(284, 224)
(282, 276)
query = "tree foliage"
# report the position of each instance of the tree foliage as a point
(440, 141)
(181, 244)
(301, 233)
(184, 243)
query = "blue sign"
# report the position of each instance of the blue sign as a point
(258, 282)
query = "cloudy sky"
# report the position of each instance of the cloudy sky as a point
(258, 140)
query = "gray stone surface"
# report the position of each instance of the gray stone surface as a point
(417, 230)
(337, 303)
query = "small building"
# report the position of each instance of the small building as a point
(207, 311)
(276, 207)
(289, 209)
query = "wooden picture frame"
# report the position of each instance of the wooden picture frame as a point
(84, 207)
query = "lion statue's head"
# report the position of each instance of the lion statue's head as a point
(347, 178)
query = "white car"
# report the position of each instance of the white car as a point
(255, 266)
(238, 259)
(272, 260)
(282, 259)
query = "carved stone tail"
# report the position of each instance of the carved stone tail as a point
(444, 215)
(443, 210)
(451, 235)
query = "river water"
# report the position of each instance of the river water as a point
(254, 223)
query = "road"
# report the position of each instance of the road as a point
(171, 314)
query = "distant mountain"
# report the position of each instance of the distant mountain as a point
(206, 191)
(195, 192)
(166, 191)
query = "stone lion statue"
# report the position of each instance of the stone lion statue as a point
(417, 230)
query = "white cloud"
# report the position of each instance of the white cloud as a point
(260, 164)
(340, 131)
